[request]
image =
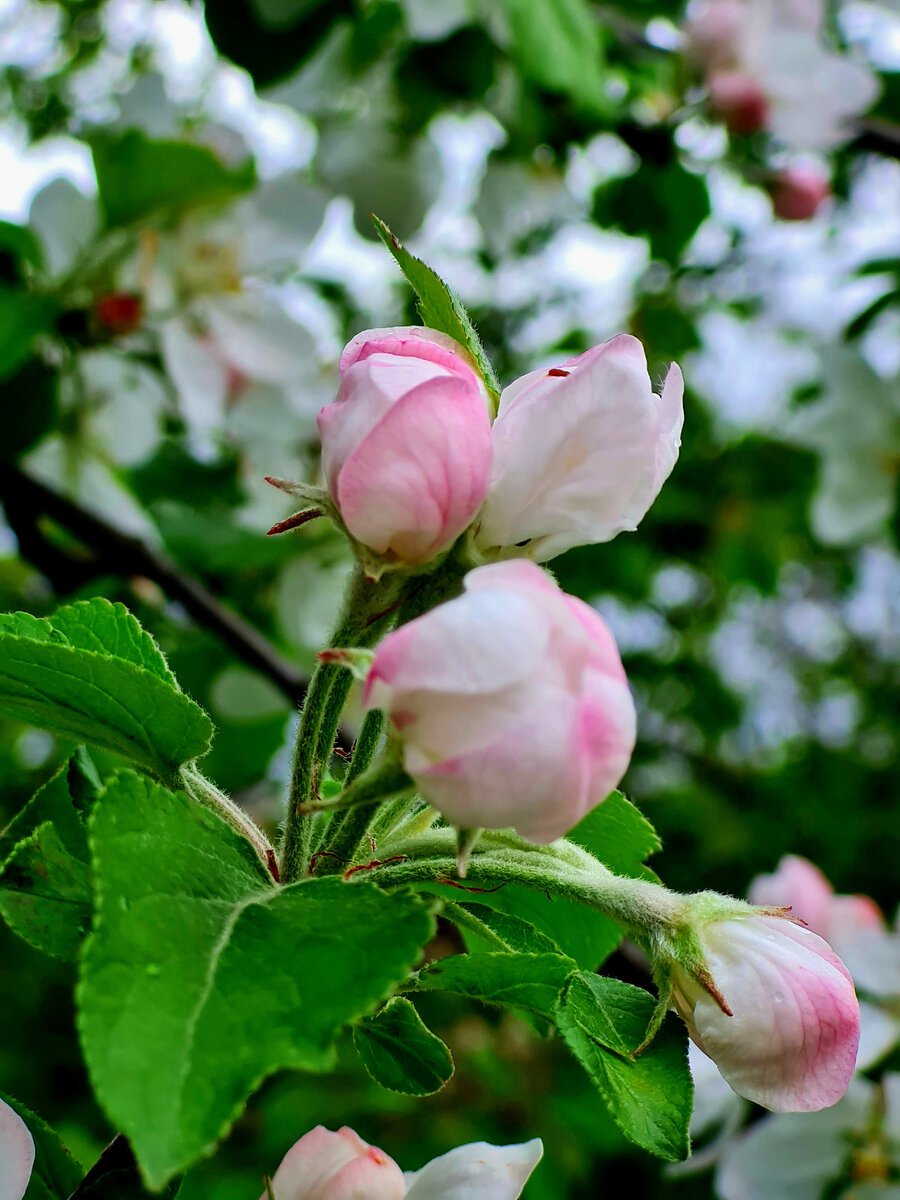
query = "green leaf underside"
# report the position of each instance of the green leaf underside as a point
(202, 977)
(650, 1098)
(486, 930)
(64, 678)
(528, 981)
(45, 894)
(439, 307)
(137, 177)
(400, 1052)
(53, 802)
(55, 1174)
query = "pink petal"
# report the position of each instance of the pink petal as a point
(324, 1165)
(420, 475)
(16, 1154)
(414, 341)
(800, 886)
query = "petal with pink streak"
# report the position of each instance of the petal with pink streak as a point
(478, 1171)
(606, 736)
(800, 886)
(792, 1040)
(324, 1165)
(16, 1154)
(414, 341)
(421, 474)
(514, 573)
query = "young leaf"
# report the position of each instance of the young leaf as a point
(53, 802)
(202, 977)
(603, 1021)
(45, 894)
(529, 981)
(55, 1171)
(137, 177)
(111, 629)
(129, 705)
(439, 307)
(400, 1052)
(619, 836)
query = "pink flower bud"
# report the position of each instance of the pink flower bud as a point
(715, 30)
(581, 451)
(16, 1154)
(739, 100)
(798, 191)
(406, 446)
(336, 1166)
(776, 1010)
(512, 702)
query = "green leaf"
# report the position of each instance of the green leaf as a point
(400, 1052)
(137, 177)
(23, 315)
(486, 930)
(557, 43)
(661, 201)
(55, 1172)
(53, 802)
(439, 307)
(45, 894)
(111, 629)
(18, 244)
(203, 977)
(603, 1022)
(619, 836)
(129, 705)
(529, 981)
(30, 407)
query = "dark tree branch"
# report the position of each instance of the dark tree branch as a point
(879, 135)
(115, 553)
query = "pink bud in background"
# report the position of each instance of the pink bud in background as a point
(406, 446)
(799, 885)
(580, 451)
(336, 1166)
(797, 192)
(512, 703)
(16, 1154)
(783, 1025)
(714, 31)
(739, 100)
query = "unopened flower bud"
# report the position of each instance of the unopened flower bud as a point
(740, 101)
(797, 192)
(16, 1154)
(511, 702)
(119, 313)
(406, 446)
(580, 451)
(774, 1007)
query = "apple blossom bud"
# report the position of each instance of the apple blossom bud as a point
(341, 1166)
(336, 1166)
(511, 702)
(119, 313)
(799, 885)
(580, 451)
(798, 191)
(406, 446)
(774, 1007)
(739, 100)
(16, 1154)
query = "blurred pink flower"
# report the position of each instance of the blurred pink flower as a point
(512, 703)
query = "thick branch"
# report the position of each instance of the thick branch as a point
(117, 553)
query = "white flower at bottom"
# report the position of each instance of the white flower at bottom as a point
(783, 1028)
(324, 1165)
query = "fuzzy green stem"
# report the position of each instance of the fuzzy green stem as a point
(347, 829)
(205, 792)
(648, 911)
(367, 610)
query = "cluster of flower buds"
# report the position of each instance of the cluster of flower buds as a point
(577, 453)
(768, 66)
(340, 1166)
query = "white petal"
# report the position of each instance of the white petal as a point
(16, 1154)
(477, 1172)
(200, 379)
(255, 334)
